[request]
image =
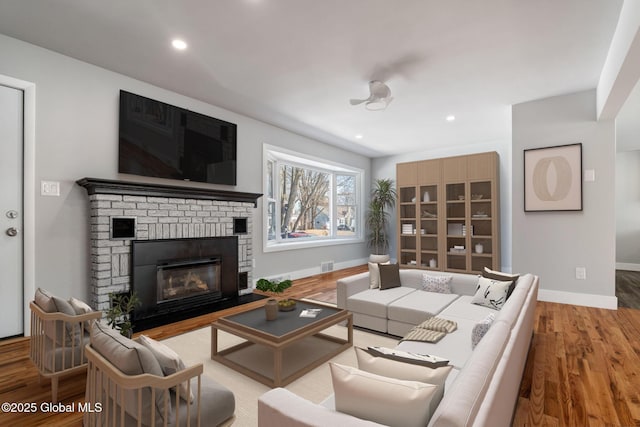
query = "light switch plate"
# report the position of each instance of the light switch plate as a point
(49, 188)
(590, 175)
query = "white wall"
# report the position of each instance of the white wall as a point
(628, 210)
(76, 137)
(385, 167)
(553, 244)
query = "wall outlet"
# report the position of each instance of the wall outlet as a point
(49, 188)
(581, 273)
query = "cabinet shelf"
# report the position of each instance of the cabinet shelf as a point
(441, 196)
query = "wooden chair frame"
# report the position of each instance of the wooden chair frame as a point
(104, 381)
(44, 349)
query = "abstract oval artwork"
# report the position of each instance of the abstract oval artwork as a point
(552, 178)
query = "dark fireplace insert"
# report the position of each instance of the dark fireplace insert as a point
(179, 278)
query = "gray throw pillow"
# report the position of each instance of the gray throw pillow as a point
(131, 358)
(389, 276)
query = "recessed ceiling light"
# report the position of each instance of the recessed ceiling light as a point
(358, 136)
(451, 118)
(179, 44)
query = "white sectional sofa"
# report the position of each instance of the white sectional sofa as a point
(482, 388)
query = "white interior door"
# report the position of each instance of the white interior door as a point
(11, 163)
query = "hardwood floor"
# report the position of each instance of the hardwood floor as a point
(582, 368)
(628, 288)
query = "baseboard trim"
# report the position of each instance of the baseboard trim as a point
(588, 300)
(627, 266)
(298, 274)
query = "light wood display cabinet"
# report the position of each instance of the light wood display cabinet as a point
(448, 213)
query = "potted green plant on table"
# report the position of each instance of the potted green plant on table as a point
(119, 313)
(383, 197)
(276, 287)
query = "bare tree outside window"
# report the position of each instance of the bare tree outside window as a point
(307, 200)
(304, 202)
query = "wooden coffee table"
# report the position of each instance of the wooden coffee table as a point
(286, 338)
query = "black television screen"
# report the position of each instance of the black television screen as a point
(164, 141)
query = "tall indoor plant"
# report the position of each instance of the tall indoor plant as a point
(383, 198)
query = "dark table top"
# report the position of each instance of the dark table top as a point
(287, 321)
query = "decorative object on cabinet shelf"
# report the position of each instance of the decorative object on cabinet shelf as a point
(433, 263)
(407, 228)
(427, 214)
(459, 250)
(461, 197)
(426, 197)
(479, 248)
(413, 199)
(412, 262)
(553, 178)
(476, 196)
(464, 230)
(480, 214)
(454, 229)
(383, 196)
(423, 231)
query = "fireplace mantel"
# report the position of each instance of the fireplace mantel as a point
(108, 186)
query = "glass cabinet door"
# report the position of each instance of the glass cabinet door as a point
(429, 227)
(482, 225)
(408, 239)
(456, 226)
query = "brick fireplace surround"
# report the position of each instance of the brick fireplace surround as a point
(161, 212)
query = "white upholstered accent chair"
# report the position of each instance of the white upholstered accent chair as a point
(58, 337)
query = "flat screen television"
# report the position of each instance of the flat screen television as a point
(165, 141)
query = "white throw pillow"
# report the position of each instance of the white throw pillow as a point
(491, 293)
(440, 284)
(381, 399)
(405, 371)
(374, 274)
(481, 328)
(81, 307)
(169, 361)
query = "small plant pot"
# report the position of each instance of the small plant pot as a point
(286, 305)
(271, 309)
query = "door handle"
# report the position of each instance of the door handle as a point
(12, 231)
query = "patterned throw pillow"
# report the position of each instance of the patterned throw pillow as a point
(439, 284)
(505, 277)
(491, 293)
(480, 329)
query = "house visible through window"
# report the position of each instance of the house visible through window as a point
(310, 201)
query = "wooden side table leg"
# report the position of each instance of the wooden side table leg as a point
(350, 330)
(214, 341)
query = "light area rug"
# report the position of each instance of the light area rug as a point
(195, 347)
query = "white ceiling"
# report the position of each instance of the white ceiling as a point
(296, 63)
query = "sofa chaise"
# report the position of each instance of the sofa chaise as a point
(482, 388)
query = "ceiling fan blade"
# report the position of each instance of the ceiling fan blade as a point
(358, 101)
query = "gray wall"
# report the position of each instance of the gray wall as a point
(628, 210)
(385, 167)
(76, 137)
(553, 244)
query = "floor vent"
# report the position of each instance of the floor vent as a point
(326, 266)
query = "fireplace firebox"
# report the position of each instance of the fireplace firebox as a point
(178, 278)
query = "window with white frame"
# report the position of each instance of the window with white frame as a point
(309, 201)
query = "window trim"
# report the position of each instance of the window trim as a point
(280, 155)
